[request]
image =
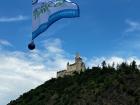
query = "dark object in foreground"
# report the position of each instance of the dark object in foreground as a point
(31, 45)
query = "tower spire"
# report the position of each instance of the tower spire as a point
(78, 58)
(77, 55)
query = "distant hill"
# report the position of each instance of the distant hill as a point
(96, 86)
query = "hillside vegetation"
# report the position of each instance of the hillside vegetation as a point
(104, 85)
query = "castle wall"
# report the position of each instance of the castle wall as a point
(78, 66)
(71, 67)
(63, 73)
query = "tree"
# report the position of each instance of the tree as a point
(113, 65)
(103, 64)
(134, 65)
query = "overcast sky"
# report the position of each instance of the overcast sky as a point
(106, 29)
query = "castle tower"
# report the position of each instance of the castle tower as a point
(78, 66)
(78, 59)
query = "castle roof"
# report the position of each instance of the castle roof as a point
(72, 64)
(61, 71)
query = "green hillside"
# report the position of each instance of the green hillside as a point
(96, 86)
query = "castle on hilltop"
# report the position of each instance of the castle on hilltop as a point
(78, 66)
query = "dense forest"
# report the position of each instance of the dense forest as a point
(106, 85)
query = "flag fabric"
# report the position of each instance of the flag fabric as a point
(46, 12)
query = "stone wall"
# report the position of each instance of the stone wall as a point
(63, 73)
(78, 66)
(71, 67)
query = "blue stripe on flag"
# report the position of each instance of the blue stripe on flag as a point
(67, 13)
(34, 2)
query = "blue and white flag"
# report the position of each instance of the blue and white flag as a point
(46, 12)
